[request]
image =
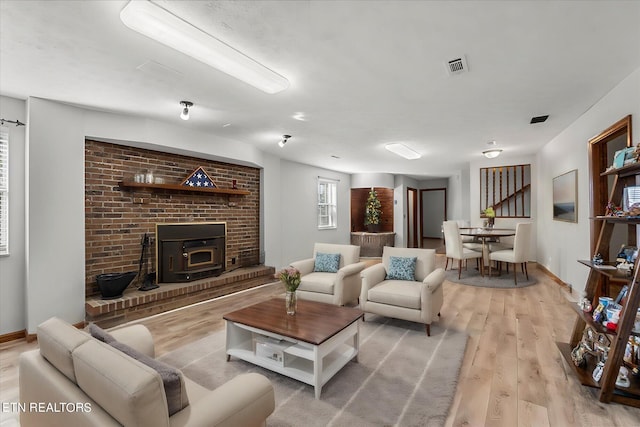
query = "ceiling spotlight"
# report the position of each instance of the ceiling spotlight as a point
(184, 115)
(402, 151)
(284, 140)
(492, 154)
(154, 21)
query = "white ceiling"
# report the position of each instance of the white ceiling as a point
(364, 73)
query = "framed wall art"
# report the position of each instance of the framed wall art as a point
(565, 197)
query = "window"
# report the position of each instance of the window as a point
(4, 191)
(506, 189)
(327, 203)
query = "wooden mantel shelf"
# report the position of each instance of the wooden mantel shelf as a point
(178, 187)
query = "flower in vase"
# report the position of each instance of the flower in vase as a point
(489, 212)
(290, 277)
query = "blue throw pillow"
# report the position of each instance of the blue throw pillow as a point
(327, 263)
(401, 268)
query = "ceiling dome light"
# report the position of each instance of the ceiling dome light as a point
(284, 140)
(492, 154)
(184, 115)
(402, 151)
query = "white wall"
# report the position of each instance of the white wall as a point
(12, 267)
(299, 211)
(560, 244)
(55, 213)
(369, 180)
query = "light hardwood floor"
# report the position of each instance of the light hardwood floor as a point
(512, 373)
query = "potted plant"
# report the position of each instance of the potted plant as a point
(372, 212)
(290, 277)
(490, 214)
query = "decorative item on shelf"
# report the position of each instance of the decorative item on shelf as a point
(625, 157)
(613, 210)
(632, 352)
(598, 313)
(597, 259)
(613, 316)
(585, 305)
(623, 377)
(631, 201)
(620, 299)
(234, 184)
(148, 177)
(597, 372)
(290, 277)
(584, 347)
(138, 178)
(372, 212)
(199, 178)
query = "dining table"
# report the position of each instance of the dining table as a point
(485, 235)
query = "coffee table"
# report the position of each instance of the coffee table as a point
(310, 346)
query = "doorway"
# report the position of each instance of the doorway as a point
(433, 212)
(412, 218)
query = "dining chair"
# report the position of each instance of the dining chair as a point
(519, 254)
(455, 249)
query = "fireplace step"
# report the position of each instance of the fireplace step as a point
(135, 304)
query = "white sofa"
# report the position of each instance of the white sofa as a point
(106, 387)
(416, 301)
(337, 288)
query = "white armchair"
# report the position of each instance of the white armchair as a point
(337, 286)
(416, 300)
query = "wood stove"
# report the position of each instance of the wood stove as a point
(190, 251)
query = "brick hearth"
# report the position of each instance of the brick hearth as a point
(136, 304)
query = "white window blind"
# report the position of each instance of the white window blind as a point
(4, 191)
(327, 203)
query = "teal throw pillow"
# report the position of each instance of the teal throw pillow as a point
(327, 263)
(401, 268)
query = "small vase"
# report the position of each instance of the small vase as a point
(291, 302)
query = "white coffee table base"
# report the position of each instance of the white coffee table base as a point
(305, 362)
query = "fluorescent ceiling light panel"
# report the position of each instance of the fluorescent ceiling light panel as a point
(402, 151)
(157, 23)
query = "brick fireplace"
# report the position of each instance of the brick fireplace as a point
(117, 217)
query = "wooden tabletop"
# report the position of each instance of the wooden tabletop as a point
(314, 322)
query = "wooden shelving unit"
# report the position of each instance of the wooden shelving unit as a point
(130, 185)
(608, 390)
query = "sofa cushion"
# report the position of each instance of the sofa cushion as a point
(57, 340)
(128, 390)
(327, 263)
(400, 293)
(172, 380)
(318, 282)
(402, 268)
(100, 334)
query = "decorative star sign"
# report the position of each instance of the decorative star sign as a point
(199, 178)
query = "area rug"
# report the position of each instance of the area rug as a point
(472, 277)
(402, 377)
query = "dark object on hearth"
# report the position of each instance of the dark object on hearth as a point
(113, 284)
(149, 278)
(149, 282)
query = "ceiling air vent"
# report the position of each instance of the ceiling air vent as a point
(539, 119)
(457, 65)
